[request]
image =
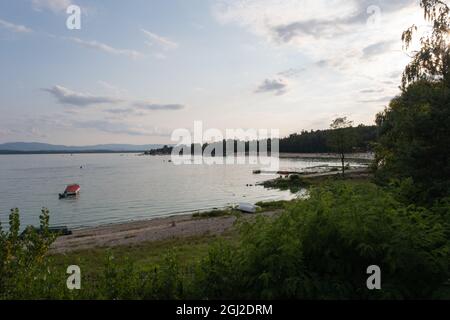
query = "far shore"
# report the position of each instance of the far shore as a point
(351, 156)
(364, 156)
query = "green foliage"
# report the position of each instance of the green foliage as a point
(320, 248)
(123, 281)
(414, 140)
(342, 138)
(294, 183)
(318, 141)
(314, 141)
(22, 258)
(214, 213)
(272, 205)
(414, 130)
(432, 61)
(216, 274)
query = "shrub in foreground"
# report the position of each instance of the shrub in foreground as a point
(321, 248)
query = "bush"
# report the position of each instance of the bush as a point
(320, 248)
(23, 261)
(294, 183)
(215, 213)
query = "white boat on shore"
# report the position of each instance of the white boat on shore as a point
(246, 207)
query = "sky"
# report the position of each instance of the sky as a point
(137, 70)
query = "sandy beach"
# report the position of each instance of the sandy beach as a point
(137, 232)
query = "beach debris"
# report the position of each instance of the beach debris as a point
(57, 230)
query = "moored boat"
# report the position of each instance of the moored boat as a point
(72, 190)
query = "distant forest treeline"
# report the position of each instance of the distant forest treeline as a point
(317, 141)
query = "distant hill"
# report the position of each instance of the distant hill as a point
(29, 147)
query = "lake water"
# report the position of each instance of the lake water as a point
(118, 188)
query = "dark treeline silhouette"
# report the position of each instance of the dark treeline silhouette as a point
(317, 141)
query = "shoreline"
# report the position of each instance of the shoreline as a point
(164, 228)
(362, 156)
(138, 232)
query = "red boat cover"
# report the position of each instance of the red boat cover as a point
(73, 188)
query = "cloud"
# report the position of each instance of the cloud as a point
(133, 54)
(55, 6)
(338, 28)
(291, 72)
(377, 49)
(372, 90)
(111, 88)
(278, 86)
(121, 111)
(381, 99)
(338, 42)
(4, 132)
(159, 56)
(121, 128)
(14, 27)
(159, 40)
(67, 96)
(322, 63)
(395, 74)
(334, 19)
(109, 127)
(155, 107)
(330, 26)
(315, 28)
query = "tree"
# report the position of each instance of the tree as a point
(414, 129)
(431, 62)
(341, 138)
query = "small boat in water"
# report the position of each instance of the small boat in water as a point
(71, 191)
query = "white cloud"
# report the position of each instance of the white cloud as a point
(155, 106)
(116, 127)
(342, 49)
(378, 48)
(133, 54)
(335, 31)
(67, 96)
(277, 86)
(55, 6)
(14, 27)
(113, 89)
(159, 40)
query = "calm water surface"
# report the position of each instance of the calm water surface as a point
(117, 188)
